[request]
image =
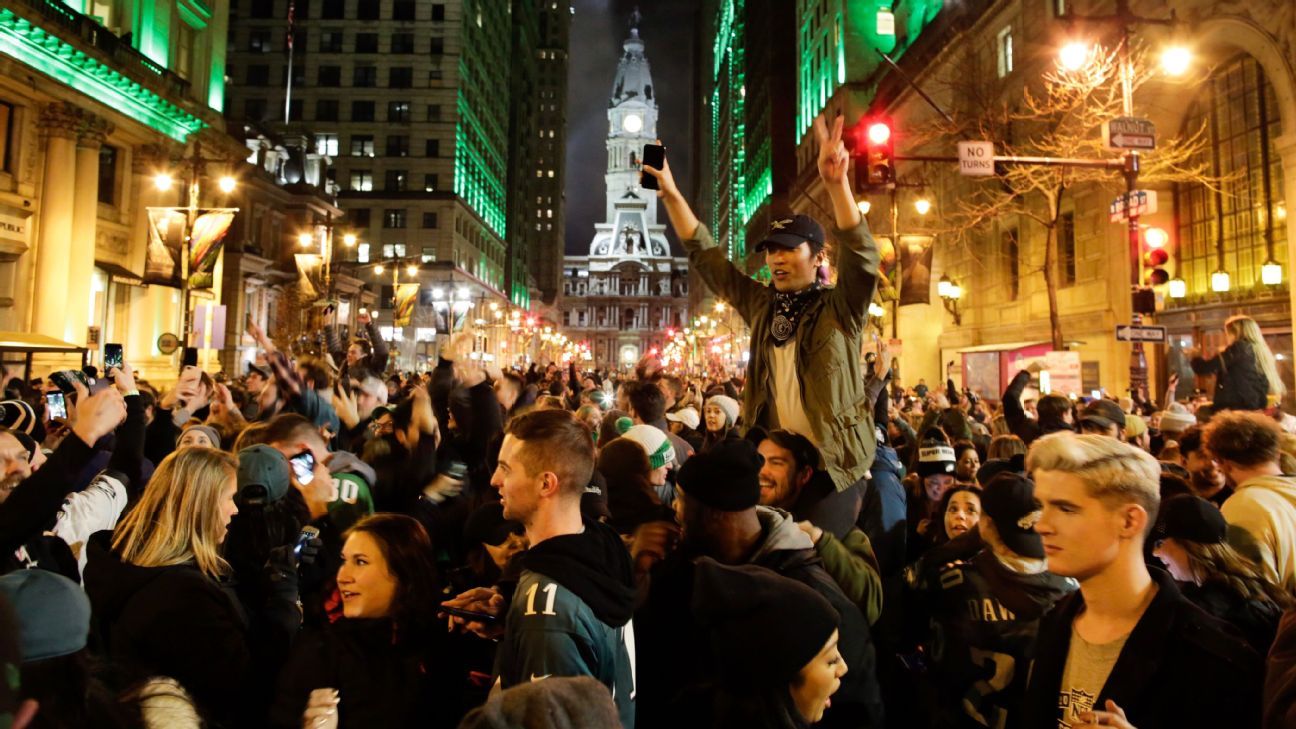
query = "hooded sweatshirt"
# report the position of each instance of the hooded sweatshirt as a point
(570, 615)
(1265, 508)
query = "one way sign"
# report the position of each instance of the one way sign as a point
(1132, 333)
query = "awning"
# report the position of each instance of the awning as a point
(26, 342)
(120, 274)
(1003, 347)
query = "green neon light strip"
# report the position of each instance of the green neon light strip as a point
(57, 58)
(476, 179)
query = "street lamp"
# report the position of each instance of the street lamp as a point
(163, 181)
(305, 239)
(1271, 273)
(1175, 60)
(227, 184)
(1220, 281)
(1178, 288)
(922, 205)
(950, 293)
(1074, 55)
(349, 240)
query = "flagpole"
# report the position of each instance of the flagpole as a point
(288, 92)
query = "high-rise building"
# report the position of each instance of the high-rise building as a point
(550, 217)
(96, 98)
(524, 150)
(624, 296)
(412, 99)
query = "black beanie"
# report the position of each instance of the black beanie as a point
(1193, 519)
(764, 627)
(935, 457)
(725, 478)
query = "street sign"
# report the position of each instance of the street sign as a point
(1128, 132)
(976, 159)
(1136, 203)
(1133, 333)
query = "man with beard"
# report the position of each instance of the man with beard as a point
(789, 481)
(1207, 479)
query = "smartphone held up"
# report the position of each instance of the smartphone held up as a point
(654, 156)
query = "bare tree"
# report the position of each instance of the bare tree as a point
(1061, 117)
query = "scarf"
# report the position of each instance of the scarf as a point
(788, 308)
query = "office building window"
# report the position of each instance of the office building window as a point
(367, 10)
(362, 253)
(434, 112)
(254, 109)
(429, 183)
(331, 42)
(402, 43)
(1005, 54)
(362, 180)
(433, 148)
(429, 220)
(366, 42)
(438, 46)
(326, 144)
(262, 9)
(326, 110)
(397, 111)
(330, 76)
(438, 11)
(397, 145)
(295, 110)
(259, 41)
(429, 252)
(258, 74)
(395, 250)
(402, 10)
(364, 76)
(362, 145)
(395, 181)
(334, 9)
(400, 78)
(362, 111)
(108, 174)
(359, 218)
(394, 218)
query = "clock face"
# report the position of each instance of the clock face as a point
(632, 123)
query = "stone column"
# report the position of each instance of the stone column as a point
(85, 211)
(58, 124)
(1286, 148)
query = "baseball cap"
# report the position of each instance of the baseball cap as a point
(53, 613)
(1009, 500)
(1104, 413)
(788, 233)
(1191, 518)
(688, 416)
(262, 475)
(254, 367)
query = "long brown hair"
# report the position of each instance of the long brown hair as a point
(1222, 564)
(406, 547)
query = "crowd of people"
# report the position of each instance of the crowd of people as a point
(319, 541)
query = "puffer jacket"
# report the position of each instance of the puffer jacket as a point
(828, 347)
(1240, 384)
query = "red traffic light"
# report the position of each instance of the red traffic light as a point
(879, 133)
(1156, 257)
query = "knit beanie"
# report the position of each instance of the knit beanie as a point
(654, 442)
(555, 703)
(935, 457)
(17, 415)
(1135, 426)
(53, 613)
(764, 627)
(1177, 419)
(206, 430)
(725, 478)
(728, 405)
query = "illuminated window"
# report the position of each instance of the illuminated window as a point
(394, 218)
(362, 180)
(395, 180)
(1005, 45)
(326, 144)
(362, 145)
(430, 182)
(362, 253)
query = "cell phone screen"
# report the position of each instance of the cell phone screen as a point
(55, 406)
(303, 466)
(112, 356)
(190, 357)
(654, 155)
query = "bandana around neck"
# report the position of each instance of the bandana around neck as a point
(788, 308)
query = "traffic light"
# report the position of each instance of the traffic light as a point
(871, 145)
(1155, 256)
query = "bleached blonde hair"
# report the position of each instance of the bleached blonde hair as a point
(177, 519)
(1245, 329)
(1115, 473)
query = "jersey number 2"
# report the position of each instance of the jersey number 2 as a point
(551, 590)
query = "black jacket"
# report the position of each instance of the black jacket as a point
(171, 621)
(35, 502)
(1240, 384)
(1255, 621)
(1179, 668)
(381, 681)
(1020, 425)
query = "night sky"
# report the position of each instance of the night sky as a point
(598, 29)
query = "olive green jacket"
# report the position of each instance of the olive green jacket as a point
(828, 348)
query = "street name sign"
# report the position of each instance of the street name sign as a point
(1133, 333)
(976, 159)
(1128, 132)
(1135, 203)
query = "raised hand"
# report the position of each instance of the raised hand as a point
(834, 160)
(321, 709)
(124, 378)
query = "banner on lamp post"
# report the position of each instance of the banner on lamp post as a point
(167, 232)
(403, 307)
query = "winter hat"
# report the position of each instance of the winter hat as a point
(1104, 413)
(996, 466)
(262, 475)
(17, 415)
(206, 430)
(935, 457)
(554, 703)
(53, 613)
(1177, 419)
(1009, 500)
(27, 442)
(688, 416)
(487, 525)
(1191, 518)
(1126, 404)
(1135, 426)
(725, 478)
(654, 442)
(728, 405)
(764, 627)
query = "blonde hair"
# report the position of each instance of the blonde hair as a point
(1114, 472)
(1245, 329)
(177, 519)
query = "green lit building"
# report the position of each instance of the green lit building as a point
(95, 99)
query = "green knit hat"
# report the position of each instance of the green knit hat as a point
(654, 442)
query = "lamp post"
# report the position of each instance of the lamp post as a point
(950, 293)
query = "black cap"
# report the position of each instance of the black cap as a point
(1191, 518)
(725, 478)
(1009, 500)
(995, 466)
(254, 367)
(791, 232)
(1104, 413)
